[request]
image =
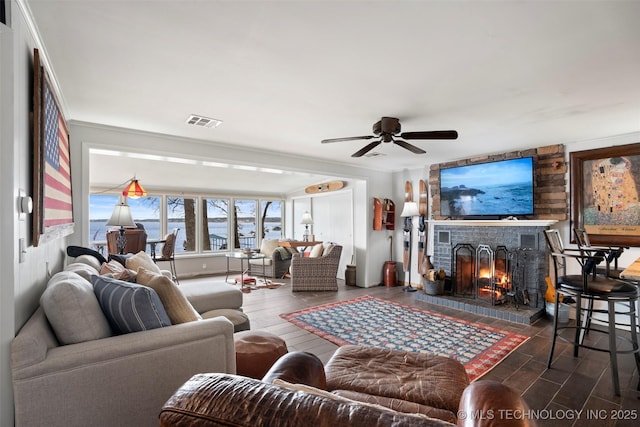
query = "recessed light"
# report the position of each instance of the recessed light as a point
(205, 122)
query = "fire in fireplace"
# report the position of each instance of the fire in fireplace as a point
(491, 276)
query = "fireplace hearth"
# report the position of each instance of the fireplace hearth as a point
(496, 268)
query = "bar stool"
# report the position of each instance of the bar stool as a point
(616, 294)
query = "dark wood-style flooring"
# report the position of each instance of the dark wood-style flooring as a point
(557, 394)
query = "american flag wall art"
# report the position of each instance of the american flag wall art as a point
(57, 170)
(52, 201)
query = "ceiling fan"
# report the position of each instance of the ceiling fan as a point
(388, 130)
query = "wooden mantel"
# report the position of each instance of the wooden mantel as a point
(496, 223)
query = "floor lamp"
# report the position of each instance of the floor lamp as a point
(121, 217)
(410, 209)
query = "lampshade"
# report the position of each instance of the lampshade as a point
(410, 209)
(306, 218)
(121, 216)
(134, 190)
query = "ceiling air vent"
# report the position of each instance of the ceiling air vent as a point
(202, 121)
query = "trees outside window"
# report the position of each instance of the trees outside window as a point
(206, 224)
(215, 224)
(245, 221)
(181, 214)
(271, 219)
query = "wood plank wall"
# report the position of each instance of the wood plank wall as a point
(551, 198)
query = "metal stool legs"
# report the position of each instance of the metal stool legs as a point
(584, 326)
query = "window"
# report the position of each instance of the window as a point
(245, 220)
(271, 219)
(145, 211)
(181, 214)
(215, 224)
(205, 224)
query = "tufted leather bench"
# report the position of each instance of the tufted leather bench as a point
(405, 381)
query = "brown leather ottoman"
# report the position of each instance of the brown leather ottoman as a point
(405, 381)
(256, 352)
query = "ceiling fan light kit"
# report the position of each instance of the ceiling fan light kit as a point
(388, 130)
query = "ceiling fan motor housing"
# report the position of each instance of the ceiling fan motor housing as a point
(389, 125)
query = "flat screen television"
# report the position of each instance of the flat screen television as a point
(496, 189)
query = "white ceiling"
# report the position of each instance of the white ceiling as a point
(283, 75)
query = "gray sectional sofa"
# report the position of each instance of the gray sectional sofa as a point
(115, 380)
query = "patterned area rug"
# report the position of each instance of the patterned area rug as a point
(381, 323)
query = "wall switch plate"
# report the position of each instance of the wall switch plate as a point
(22, 249)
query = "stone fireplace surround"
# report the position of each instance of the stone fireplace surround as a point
(515, 234)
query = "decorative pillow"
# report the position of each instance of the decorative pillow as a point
(73, 310)
(129, 307)
(142, 259)
(118, 271)
(175, 303)
(89, 260)
(316, 251)
(268, 246)
(85, 271)
(169, 245)
(122, 259)
(285, 253)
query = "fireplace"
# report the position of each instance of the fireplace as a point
(496, 268)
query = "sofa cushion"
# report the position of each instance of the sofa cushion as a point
(142, 259)
(89, 260)
(118, 271)
(73, 310)
(206, 295)
(175, 303)
(411, 409)
(431, 380)
(268, 246)
(239, 318)
(129, 307)
(84, 270)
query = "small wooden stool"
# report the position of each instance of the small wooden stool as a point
(247, 281)
(256, 352)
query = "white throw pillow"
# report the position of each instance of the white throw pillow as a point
(268, 246)
(73, 309)
(316, 251)
(142, 259)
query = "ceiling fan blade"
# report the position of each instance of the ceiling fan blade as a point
(350, 138)
(409, 147)
(434, 134)
(366, 149)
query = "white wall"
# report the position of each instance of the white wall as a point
(22, 283)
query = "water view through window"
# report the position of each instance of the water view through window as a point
(183, 213)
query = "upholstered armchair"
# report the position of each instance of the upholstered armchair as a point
(316, 273)
(276, 262)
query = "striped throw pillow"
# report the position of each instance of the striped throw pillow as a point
(129, 307)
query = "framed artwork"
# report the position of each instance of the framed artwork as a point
(52, 202)
(604, 194)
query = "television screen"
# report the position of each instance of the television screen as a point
(502, 188)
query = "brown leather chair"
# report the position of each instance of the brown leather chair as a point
(136, 240)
